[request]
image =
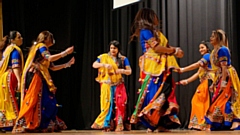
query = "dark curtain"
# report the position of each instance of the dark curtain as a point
(92, 25)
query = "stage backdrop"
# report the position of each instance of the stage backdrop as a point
(91, 25)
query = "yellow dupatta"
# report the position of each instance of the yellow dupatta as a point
(6, 98)
(236, 85)
(43, 68)
(154, 63)
(105, 75)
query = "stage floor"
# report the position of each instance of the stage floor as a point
(136, 132)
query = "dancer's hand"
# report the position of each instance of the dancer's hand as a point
(120, 71)
(108, 66)
(183, 82)
(70, 50)
(69, 63)
(72, 61)
(179, 53)
(34, 68)
(179, 70)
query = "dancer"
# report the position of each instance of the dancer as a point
(223, 112)
(201, 99)
(39, 106)
(156, 107)
(10, 77)
(111, 68)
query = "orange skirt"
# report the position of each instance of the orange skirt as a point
(29, 115)
(200, 105)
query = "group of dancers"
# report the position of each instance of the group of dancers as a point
(27, 92)
(215, 104)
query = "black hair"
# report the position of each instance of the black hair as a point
(144, 19)
(12, 35)
(119, 56)
(116, 44)
(6, 41)
(206, 44)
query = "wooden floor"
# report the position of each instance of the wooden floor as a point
(135, 132)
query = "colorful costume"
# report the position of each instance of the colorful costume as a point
(12, 58)
(223, 112)
(113, 93)
(201, 98)
(39, 106)
(156, 105)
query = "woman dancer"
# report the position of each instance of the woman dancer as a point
(10, 77)
(111, 68)
(39, 106)
(223, 112)
(201, 98)
(156, 107)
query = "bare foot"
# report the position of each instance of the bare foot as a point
(208, 127)
(149, 130)
(118, 129)
(106, 130)
(127, 126)
(235, 125)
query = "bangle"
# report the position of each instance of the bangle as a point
(186, 81)
(64, 53)
(181, 69)
(176, 51)
(123, 71)
(103, 65)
